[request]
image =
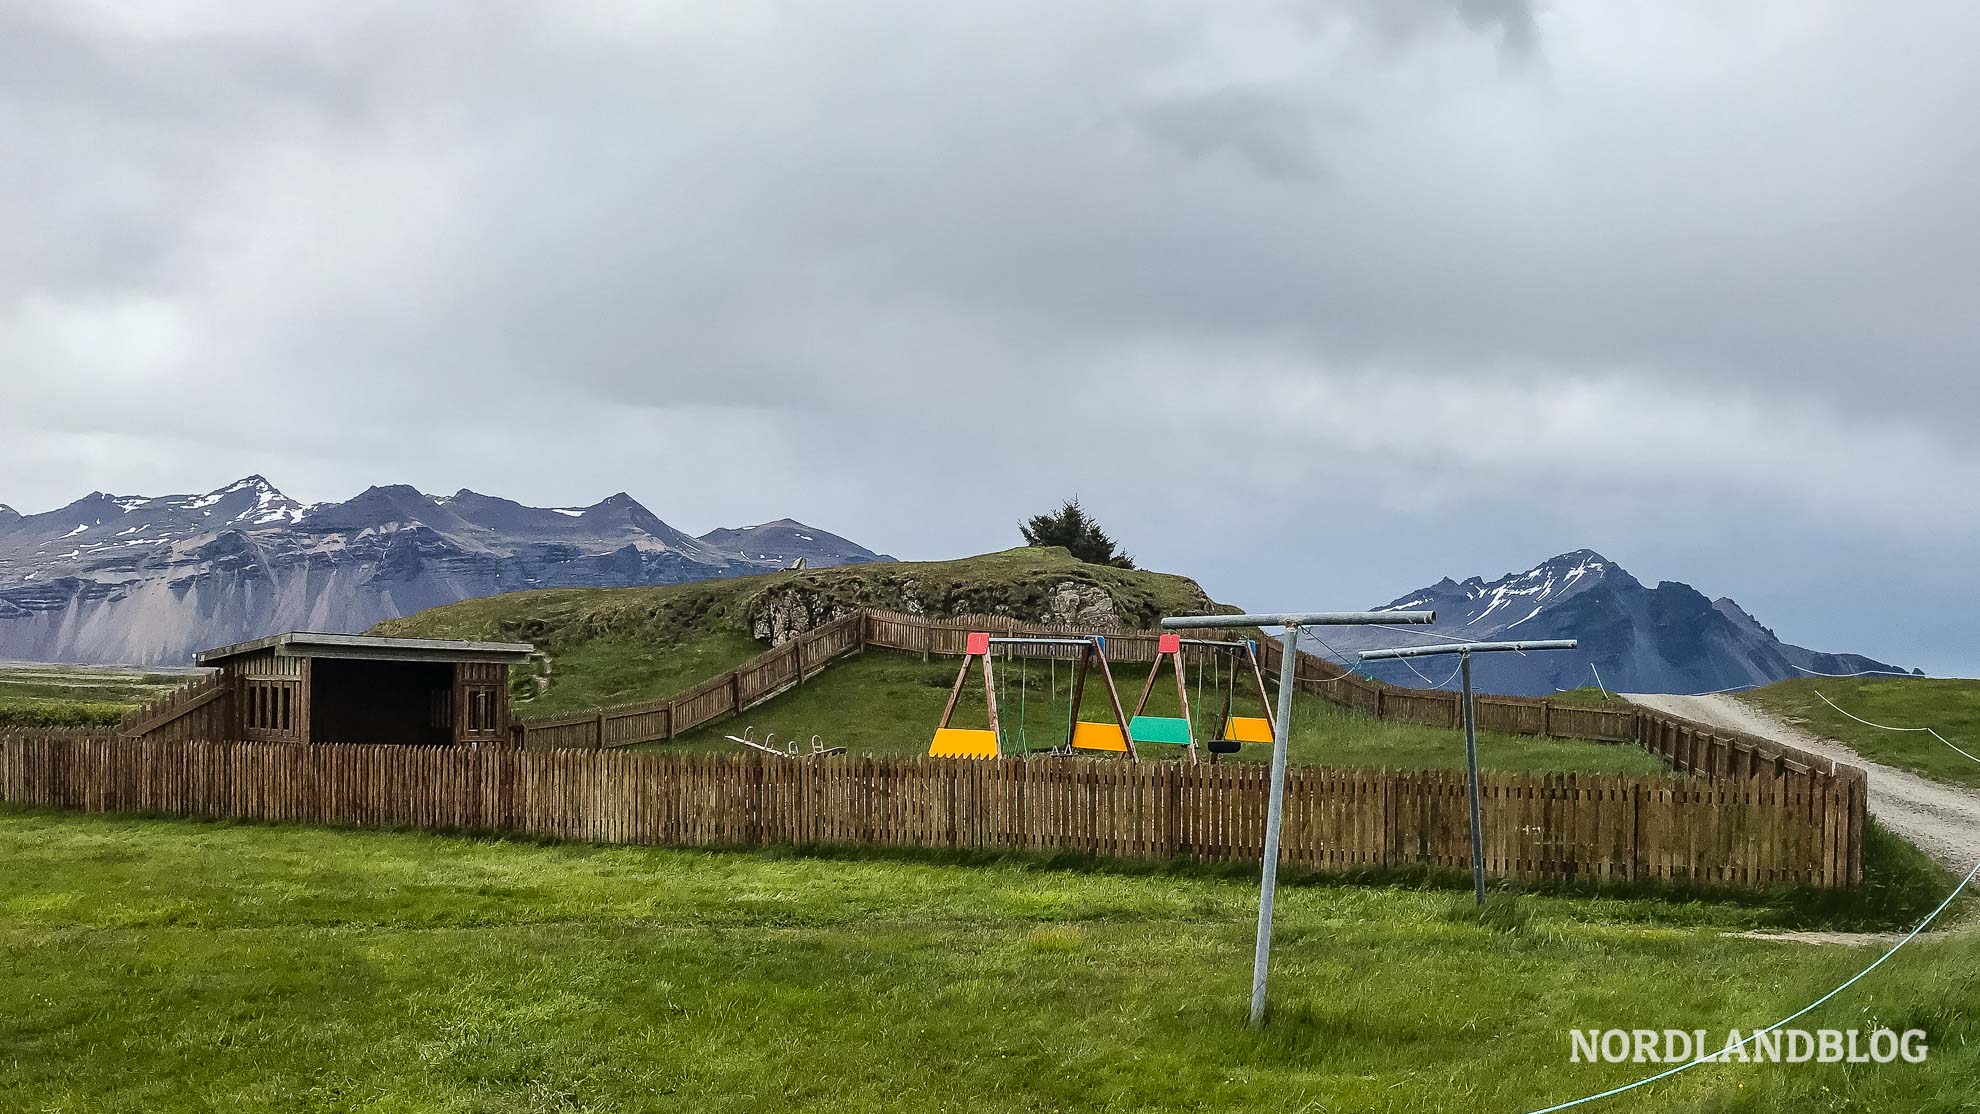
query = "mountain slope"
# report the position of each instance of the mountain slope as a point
(1669, 638)
(150, 580)
(787, 540)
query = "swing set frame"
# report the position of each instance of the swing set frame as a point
(1231, 731)
(955, 742)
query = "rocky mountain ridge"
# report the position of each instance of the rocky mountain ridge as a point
(1634, 638)
(149, 580)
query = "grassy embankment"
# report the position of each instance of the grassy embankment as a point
(36, 695)
(609, 646)
(1951, 707)
(165, 965)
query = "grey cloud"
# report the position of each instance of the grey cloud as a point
(1273, 137)
(851, 259)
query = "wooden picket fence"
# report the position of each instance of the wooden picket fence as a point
(759, 679)
(1763, 830)
(195, 710)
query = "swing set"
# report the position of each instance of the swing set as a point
(1180, 730)
(993, 743)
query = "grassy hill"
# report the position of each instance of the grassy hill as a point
(608, 646)
(1952, 707)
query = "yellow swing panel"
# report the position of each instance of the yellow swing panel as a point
(1099, 736)
(1248, 729)
(960, 742)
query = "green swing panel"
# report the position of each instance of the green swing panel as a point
(1172, 730)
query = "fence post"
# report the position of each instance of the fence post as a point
(599, 743)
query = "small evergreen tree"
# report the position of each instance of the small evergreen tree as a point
(1070, 526)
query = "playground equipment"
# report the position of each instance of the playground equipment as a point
(984, 744)
(769, 745)
(1181, 731)
(1231, 731)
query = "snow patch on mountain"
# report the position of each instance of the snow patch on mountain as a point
(1669, 638)
(151, 579)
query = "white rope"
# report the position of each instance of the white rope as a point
(1426, 680)
(1342, 659)
(1883, 727)
(1860, 673)
(1424, 633)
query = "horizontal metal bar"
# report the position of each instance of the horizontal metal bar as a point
(1469, 648)
(1303, 619)
(1021, 640)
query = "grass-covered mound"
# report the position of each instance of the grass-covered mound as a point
(607, 646)
(1951, 707)
(164, 965)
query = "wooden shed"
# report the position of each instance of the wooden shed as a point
(346, 688)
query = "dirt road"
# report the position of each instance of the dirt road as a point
(1943, 820)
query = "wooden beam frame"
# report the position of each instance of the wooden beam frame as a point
(1174, 655)
(989, 689)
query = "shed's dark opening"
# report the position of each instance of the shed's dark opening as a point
(381, 701)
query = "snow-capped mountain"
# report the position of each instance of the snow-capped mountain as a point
(786, 540)
(1669, 638)
(145, 580)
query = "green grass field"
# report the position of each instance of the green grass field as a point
(887, 703)
(150, 965)
(39, 695)
(1952, 707)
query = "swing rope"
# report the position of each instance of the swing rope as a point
(1024, 689)
(1196, 709)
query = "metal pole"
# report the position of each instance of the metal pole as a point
(1261, 956)
(1471, 765)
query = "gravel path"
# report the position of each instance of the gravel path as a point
(1943, 820)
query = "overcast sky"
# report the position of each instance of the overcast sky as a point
(1315, 302)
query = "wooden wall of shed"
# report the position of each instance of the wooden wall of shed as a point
(481, 703)
(271, 696)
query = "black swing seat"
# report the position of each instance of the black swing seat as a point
(1224, 746)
